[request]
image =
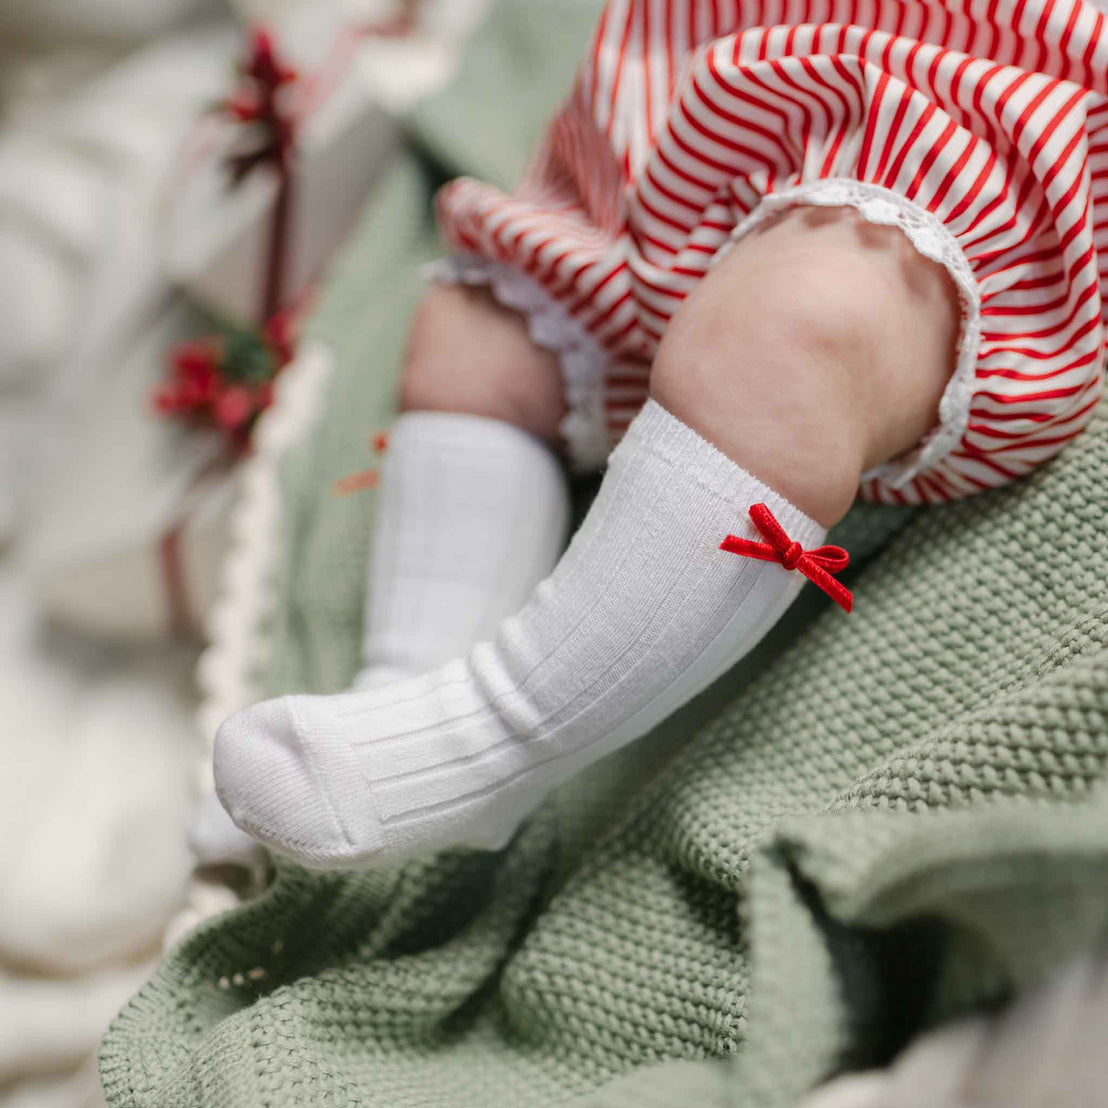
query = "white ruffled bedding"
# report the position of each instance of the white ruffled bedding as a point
(96, 790)
(98, 746)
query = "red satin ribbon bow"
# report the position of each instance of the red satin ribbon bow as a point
(817, 565)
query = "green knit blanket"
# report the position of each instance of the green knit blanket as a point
(873, 823)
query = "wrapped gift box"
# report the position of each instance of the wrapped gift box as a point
(131, 526)
(219, 233)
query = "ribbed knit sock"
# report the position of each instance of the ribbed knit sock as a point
(471, 516)
(643, 611)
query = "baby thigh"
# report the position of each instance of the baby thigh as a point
(470, 355)
(816, 349)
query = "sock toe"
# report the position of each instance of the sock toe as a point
(274, 772)
(214, 840)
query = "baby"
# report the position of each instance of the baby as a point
(783, 252)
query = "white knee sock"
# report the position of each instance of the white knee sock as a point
(643, 611)
(471, 516)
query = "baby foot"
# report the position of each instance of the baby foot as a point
(372, 776)
(644, 610)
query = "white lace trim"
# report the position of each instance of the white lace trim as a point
(227, 672)
(932, 239)
(584, 428)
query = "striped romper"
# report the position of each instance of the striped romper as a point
(978, 127)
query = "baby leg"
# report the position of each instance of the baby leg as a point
(472, 510)
(818, 347)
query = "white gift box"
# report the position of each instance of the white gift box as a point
(351, 84)
(132, 523)
(218, 233)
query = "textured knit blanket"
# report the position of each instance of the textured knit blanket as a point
(875, 822)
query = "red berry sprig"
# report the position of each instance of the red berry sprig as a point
(257, 102)
(223, 381)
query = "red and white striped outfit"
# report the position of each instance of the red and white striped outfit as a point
(980, 127)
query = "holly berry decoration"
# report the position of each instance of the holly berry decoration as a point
(224, 381)
(257, 103)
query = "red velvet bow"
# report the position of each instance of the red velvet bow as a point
(817, 565)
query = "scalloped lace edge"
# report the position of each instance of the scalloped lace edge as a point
(227, 670)
(584, 428)
(929, 237)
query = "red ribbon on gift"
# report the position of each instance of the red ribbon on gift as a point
(817, 565)
(258, 103)
(265, 102)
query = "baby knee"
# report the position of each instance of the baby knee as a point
(767, 335)
(470, 355)
(817, 348)
(811, 288)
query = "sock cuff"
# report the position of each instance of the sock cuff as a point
(463, 430)
(658, 431)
